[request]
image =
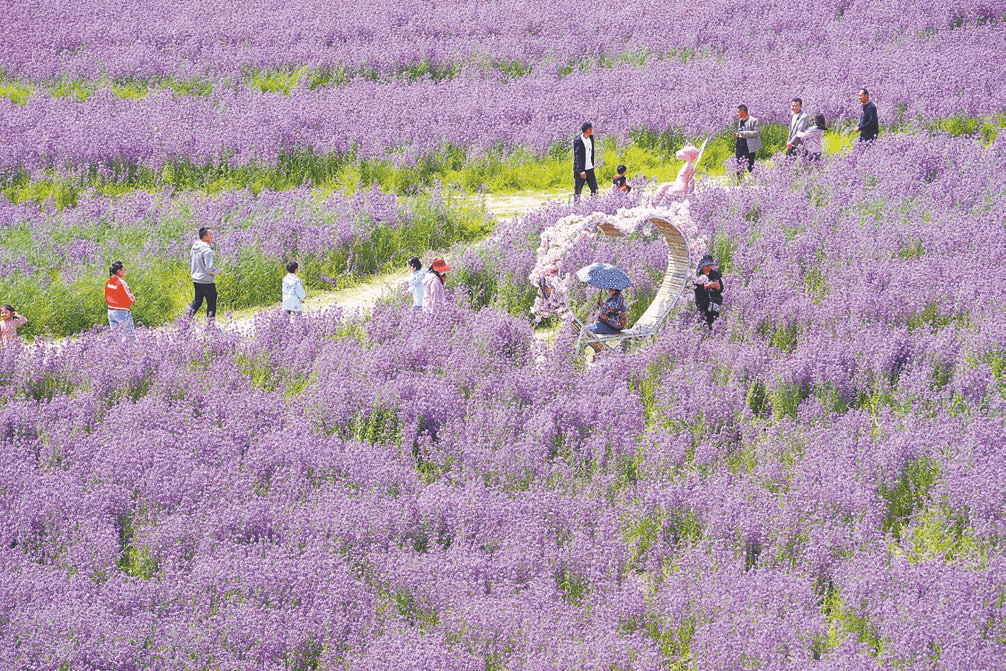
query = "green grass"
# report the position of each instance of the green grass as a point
(908, 494)
(283, 79)
(500, 170)
(494, 171)
(16, 92)
(986, 128)
(71, 299)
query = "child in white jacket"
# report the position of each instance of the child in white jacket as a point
(414, 285)
(293, 290)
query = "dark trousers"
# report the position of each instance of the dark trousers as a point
(703, 303)
(209, 292)
(748, 156)
(578, 182)
(796, 151)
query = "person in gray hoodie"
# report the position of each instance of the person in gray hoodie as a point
(204, 274)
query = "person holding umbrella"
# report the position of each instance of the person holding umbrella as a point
(613, 313)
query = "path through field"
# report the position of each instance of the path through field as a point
(365, 295)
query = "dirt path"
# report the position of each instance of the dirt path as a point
(359, 298)
(362, 297)
(506, 206)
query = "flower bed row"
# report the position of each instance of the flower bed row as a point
(53, 264)
(945, 77)
(338, 492)
(149, 40)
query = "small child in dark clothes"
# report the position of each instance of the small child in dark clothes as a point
(619, 184)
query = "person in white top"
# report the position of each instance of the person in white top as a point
(293, 290)
(414, 284)
(798, 123)
(583, 161)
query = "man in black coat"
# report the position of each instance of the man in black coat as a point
(583, 160)
(869, 124)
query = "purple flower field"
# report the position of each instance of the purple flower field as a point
(818, 483)
(53, 262)
(51, 40)
(925, 65)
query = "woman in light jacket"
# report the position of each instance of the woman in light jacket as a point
(811, 138)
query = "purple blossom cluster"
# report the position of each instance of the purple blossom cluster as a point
(818, 483)
(148, 40)
(150, 228)
(920, 64)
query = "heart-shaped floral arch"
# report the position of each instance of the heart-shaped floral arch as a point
(673, 221)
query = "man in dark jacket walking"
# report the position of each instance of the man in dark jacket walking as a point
(748, 136)
(583, 160)
(869, 124)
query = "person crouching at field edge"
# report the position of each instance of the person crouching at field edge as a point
(10, 322)
(119, 300)
(293, 290)
(204, 274)
(414, 284)
(434, 293)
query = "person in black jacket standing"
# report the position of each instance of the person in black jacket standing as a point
(709, 290)
(583, 160)
(869, 124)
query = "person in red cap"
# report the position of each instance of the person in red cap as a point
(119, 299)
(433, 285)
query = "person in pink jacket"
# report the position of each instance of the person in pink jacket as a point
(10, 321)
(433, 285)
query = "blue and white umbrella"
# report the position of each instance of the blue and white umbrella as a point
(604, 276)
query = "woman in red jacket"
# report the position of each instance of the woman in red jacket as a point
(119, 299)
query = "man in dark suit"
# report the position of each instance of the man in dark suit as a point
(748, 138)
(583, 160)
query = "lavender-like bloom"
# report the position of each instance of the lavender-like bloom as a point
(818, 482)
(49, 258)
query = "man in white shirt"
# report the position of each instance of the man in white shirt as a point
(583, 161)
(798, 123)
